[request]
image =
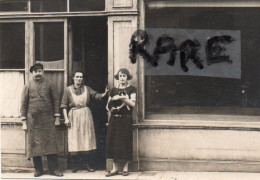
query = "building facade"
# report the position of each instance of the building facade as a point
(199, 112)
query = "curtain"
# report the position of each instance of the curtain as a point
(59, 64)
(11, 88)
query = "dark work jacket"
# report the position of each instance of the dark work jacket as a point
(39, 106)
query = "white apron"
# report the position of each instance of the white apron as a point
(81, 134)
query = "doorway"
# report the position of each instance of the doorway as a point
(88, 38)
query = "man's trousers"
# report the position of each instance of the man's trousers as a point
(52, 162)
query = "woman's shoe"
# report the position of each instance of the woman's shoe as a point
(56, 173)
(111, 174)
(125, 173)
(88, 168)
(74, 170)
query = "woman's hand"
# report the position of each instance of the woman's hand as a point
(67, 122)
(113, 109)
(105, 93)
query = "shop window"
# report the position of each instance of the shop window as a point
(87, 5)
(49, 5)
(12, 67)
(13, 5)
(230, 92)
(12, 37)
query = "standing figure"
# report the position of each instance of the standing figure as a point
(120, 134)
(38, 108)
(81, 132)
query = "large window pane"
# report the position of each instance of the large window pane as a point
(49, 44)
(49, 5)
(12, 45)
(207, 94)
(87, 5)
(9, 5)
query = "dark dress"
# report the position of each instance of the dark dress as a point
(39, 105)
(120, 133)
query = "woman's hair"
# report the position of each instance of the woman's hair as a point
(78, 71)
(123, 71)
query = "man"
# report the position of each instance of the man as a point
(38, 108)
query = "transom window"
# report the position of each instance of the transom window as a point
(41, 6)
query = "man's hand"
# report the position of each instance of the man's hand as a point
(24, 125)
(57, 121)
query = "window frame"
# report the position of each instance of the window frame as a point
(29, 51)
(27, 36)
(32, 44)
(67, 12)
(170, 121)
(26, 66)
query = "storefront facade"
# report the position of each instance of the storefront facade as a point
(193, 119)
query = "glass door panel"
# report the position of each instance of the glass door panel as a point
(49, 49)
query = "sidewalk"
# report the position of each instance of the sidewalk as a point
(161, 175)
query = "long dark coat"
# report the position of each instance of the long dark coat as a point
(39, 106)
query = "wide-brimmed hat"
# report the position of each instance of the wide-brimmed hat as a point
(36, 66)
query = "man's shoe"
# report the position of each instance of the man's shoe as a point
(38, 173)
(56, 173)
(76, 169)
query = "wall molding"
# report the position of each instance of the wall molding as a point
(147, 164)
(199, 124)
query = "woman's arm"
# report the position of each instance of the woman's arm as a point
(109, 99)
(95, 95)
(65, 105)
(131, 101)
(65, 114)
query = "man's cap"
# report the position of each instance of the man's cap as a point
(36, 66)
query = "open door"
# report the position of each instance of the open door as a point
(88, 53)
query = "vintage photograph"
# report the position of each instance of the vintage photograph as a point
(130, 89)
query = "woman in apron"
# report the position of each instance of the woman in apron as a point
(81, 132)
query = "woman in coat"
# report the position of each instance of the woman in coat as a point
(78, 118)
(120, 134)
